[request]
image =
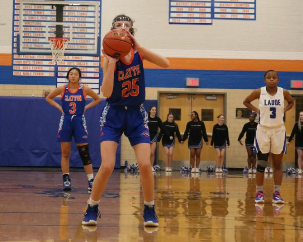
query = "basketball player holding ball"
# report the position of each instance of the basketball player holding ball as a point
(124, 86)
(270, 135)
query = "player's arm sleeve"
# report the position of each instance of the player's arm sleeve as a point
(294, 130)
(162, 127)
(227, 137)
(160, 135)
(242, 132)
(204, 134)
(213, 136)
(186, 132)
(178, 134)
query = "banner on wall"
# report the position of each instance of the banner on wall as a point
(204, 12)
(34, 23)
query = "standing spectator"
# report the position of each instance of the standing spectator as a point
(298, 132)
(219, 140)
(195, 129)
(168, 140)
(250, 130)
(154, 123)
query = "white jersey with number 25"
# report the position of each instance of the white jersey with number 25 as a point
(271, 108)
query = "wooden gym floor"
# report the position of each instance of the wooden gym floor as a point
(201, 208)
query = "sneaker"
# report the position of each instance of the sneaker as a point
(153, 169)
(220, 170)
(299, 171)
(167, 169)
(91, 215)
(150, 217)
(245, 170)
(224, 168)
(90, 185)
(193, 170)
(277, 198)
(259, 209)
(254, 170)
(267, 169)
(217, 170)
(259, 197)
(250, 171)
(67, 184)
(270, 170)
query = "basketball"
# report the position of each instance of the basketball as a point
(117, 43)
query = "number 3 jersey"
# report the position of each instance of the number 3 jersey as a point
(73, 103)
(72, 122)
(271, 108)
(129, 83)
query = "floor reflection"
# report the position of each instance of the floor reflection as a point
(198, 207)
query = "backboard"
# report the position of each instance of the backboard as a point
(77, 21)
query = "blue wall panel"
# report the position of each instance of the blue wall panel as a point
(215, 79)
(175, 78)
(28, 133)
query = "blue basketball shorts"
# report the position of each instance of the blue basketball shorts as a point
(132, 121)
(72, 126)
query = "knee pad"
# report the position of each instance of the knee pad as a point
(262, 162)
(84, 154)
(263, 157)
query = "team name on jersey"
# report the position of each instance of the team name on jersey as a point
(72, 98)
(129, 72)
(274, 102)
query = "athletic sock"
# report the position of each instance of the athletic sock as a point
(90, 176)
(260, 188)
(151, 203)
(277, 188)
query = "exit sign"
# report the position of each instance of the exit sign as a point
(296, 84)
(192, 82)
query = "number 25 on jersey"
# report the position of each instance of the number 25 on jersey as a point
(130, 88)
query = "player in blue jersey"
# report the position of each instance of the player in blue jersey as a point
(73, 124)
(270, 135)
(124, 86)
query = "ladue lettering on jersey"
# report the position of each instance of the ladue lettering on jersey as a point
(129, 72)
(72, 98)
(273, 102)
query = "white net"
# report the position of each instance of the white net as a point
(58, 46)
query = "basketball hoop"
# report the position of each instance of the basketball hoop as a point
(58, 46)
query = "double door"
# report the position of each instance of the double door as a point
(208, 106)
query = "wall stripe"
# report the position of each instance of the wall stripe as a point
(212, 64)
(5, 59)
(174, 78)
